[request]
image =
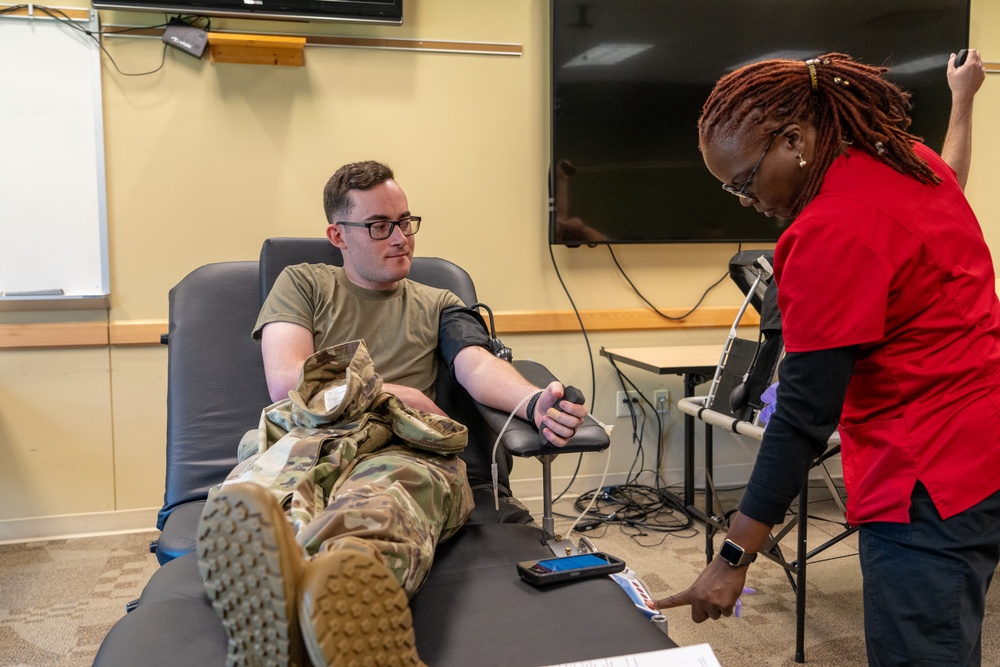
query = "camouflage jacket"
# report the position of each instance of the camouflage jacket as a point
(337, 415)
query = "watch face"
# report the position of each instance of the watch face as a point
(731, 553)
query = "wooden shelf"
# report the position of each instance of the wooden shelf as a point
(256, 49)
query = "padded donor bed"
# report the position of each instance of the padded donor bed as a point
(473, 608)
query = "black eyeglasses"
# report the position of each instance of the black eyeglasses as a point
(383, 229)
(742, 191)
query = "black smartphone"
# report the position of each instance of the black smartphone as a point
(568, 568)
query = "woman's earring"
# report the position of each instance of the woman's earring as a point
(802, 163)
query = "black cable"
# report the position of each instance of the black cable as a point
(638, 429)
(590, 356)
(655, 309)
(622, 379)
(634, 506)
(583, 329)
(646, 504)
(644, 512)
(65, 19)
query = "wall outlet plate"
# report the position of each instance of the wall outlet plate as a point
(661, 399)
(621, 403)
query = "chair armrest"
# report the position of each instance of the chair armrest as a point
(521, 438)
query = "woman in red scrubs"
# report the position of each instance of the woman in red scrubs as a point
(891, 326)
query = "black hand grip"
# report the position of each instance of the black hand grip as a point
(571, 394)
(960, 57)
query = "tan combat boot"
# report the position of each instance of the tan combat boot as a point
(251, 565)
(353, 613)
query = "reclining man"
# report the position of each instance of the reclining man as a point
(330, 521)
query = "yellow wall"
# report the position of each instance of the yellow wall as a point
(205, 160)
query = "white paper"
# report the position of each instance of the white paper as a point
(333, 397)
(700, 655)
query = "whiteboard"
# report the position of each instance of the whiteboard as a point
(53, 210)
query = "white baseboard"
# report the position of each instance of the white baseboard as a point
(67, 526)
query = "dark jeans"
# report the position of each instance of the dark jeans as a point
(925, 583)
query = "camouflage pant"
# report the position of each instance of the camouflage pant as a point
(397, 503)
(360, 470)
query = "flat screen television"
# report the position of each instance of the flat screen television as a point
(629, 78)
(366, 11)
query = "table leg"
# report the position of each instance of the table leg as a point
(710, 525)
(690, 384)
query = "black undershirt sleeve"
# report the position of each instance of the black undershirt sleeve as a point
(458, 328)
(811, 391)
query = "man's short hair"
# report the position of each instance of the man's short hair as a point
(355, 176)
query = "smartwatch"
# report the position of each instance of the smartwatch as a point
(735, 555)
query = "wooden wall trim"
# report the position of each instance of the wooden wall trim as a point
(63, 334)
(137, 332)
(618, 320)
(148, 332)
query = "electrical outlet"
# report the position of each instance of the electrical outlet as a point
(622, 402)
(661, 399)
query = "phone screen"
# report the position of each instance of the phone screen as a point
(569, 563)
(569, 568)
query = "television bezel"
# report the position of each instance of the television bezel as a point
(356, 11)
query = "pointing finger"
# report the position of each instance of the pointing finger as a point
(676, 600)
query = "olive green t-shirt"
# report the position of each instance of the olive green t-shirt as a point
(399, 326)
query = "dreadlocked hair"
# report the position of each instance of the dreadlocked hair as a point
(846, 101)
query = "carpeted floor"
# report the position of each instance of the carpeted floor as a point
(834, 636)
(764, 635)
(58, 599)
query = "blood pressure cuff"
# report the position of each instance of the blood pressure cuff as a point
(458, 328)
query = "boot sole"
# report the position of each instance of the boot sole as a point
(354, 613)
(250, 576)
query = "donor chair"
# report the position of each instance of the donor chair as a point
(472, 610)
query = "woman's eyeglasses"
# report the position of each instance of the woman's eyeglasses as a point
(743, 191)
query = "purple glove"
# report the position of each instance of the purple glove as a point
(739, 602)
(770, 400)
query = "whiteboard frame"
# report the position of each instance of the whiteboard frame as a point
(101, 298)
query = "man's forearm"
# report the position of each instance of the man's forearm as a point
(492, 382)
(497, 384)
(413, 398)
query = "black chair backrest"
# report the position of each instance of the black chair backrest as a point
(277, 253)
(216, 388)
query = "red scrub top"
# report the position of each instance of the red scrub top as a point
(900, 269)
